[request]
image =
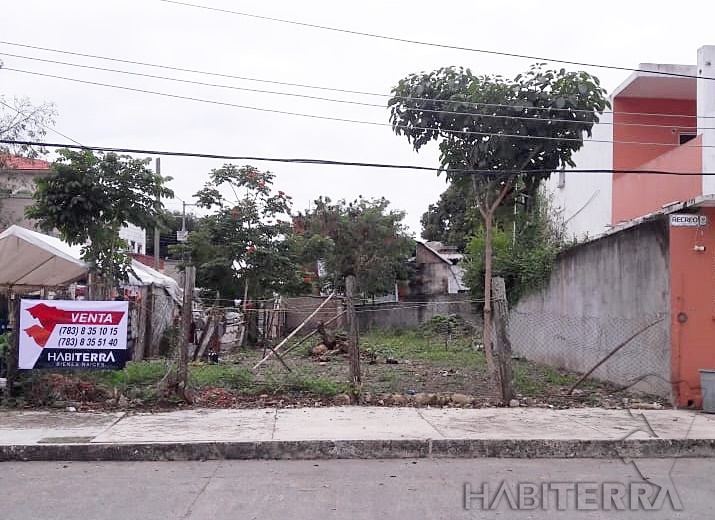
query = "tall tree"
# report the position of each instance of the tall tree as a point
(88, 197)
(363, 238)
(363, 246)
(171, 223)
(242, 248)
(497, 132)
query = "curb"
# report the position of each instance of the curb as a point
(362, 449)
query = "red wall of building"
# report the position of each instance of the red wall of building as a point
(692, 290)
(637, 195)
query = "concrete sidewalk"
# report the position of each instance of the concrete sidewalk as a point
(355, 432)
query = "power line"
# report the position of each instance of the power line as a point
(324, 162)
(201, 83)
(42, 125)
(344, 120)
(430, 44)
(360, 103)
(316, 87)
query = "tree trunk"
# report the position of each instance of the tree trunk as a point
(354, 342)
(13, 343)
(503, 345)
(487, 331)
(186, 317)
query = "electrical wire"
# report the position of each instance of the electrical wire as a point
(324, 162)
(376, 105)
(42, 125)
(317, 87)
(343, 120)
(430, 44)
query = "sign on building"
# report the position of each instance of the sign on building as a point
(688, 220)
(62, 334)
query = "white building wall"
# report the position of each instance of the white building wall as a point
(135, 237)
(706, 114)
(584, 200)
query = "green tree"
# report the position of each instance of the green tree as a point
(361, 238)
(243, 247)
(497, 132)
(171, 222)
(524, 248)
(88, 197)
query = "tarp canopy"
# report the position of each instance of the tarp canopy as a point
(145, 275)
(30, 260)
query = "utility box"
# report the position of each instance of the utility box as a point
(707, 389)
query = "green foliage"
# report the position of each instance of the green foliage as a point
(169, 224)
(505, 121)
(452, 219)
(88, 197)
(220, 375)
(524, 251)
(4, 351)
(361, 238)
(452, 324)
(417, 345)
(497, 133)
(246, 240)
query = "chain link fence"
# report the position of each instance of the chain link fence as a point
(632, 354)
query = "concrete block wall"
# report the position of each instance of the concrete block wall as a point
(599, 294)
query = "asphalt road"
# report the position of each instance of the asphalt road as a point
(354, 489)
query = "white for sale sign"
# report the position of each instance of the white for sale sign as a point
(68, 334)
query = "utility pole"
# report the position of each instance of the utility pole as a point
(156, 226)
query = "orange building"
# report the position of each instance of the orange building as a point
(663, 125)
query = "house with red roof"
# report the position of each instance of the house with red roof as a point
(17, 184)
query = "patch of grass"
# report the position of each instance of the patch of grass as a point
(134, 373)
(414, 345)
(220, 375)
(301, 382)
(318, 386)
(534, 380)
(525, 382)
(558, 377)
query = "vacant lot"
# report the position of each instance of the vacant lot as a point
(408, 367)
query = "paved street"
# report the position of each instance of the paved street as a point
(344, 489)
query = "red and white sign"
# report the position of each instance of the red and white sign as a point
(70, 334)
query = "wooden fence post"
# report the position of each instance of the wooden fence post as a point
(14, 343)
(354, 341)
(503, 345)
(186, 317)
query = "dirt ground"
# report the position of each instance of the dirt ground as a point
(399, 368)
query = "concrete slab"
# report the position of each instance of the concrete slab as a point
(53, 427)
(351, 423)
(574, 424)
(188, 426)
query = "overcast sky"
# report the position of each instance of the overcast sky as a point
(607, 32)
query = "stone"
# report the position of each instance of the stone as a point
(319, 350)
(514, 403)
(424, 399)
(398, 399)
(461, 399)
(342, 399)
